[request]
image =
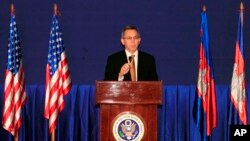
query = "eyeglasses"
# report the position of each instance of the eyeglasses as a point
(130, 38)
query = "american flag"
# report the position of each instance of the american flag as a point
(58, 81)
(205, 108)
(238, 110)
(14, 90)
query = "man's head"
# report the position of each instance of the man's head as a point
(130, 38)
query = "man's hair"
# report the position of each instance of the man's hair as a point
(130, 27)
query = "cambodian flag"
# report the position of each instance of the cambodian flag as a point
(205, 110)
(238, 110)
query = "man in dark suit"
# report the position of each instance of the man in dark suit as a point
(119, 64)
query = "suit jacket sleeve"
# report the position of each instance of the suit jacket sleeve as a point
(110, 70)
(113, 66)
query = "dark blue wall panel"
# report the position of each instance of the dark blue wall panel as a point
(91, 30)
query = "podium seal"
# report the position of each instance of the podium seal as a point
(128, 126)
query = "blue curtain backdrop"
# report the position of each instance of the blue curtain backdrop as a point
(79, 119)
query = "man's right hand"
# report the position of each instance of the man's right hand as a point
(124, 69)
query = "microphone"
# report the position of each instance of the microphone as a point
(130, 58)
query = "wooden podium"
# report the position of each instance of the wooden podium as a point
(128, 109)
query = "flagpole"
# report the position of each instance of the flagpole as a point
(53, 135)
(16, 137)
(12, 11)
(56, 12)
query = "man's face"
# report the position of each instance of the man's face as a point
(131, 40)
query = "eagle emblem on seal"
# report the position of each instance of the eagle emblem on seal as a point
(128, 128)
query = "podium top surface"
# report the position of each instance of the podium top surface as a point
(128, 92)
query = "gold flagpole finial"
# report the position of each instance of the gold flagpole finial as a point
(241, 6)
(204, 8)
(12, 9)
(56, 11)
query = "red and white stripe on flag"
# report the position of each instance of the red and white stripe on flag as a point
(57, 86)
(14, 98)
